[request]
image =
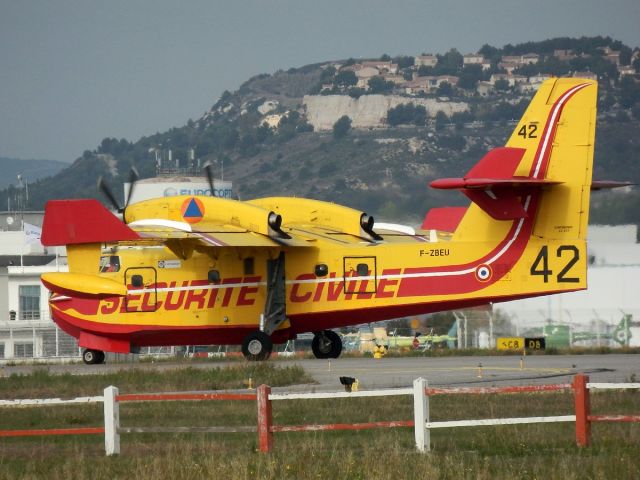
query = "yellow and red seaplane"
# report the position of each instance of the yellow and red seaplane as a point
(195, 270)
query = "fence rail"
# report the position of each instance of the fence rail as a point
(266, 428)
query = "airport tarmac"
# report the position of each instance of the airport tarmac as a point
(394, 372)
(473, 370)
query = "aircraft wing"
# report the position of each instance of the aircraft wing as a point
(208, 234)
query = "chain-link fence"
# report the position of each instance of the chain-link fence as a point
(476, 328)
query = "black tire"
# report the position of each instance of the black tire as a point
(91, 357)
(257, 346)
(326, 344)
(101, 357)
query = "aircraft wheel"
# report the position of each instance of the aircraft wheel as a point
(100, 356)
(257, 346)
(326, 344)
(91, 357)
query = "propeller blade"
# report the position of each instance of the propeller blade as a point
(208, 170)
(133, 178)
(106, 191)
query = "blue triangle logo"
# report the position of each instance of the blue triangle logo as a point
(192, 210)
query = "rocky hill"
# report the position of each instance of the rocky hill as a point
(372, 133)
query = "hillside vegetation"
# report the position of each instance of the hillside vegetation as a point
(268, 145)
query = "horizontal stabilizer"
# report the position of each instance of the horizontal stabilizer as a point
(609, 184)
(70, 222)
(491, 184)
(485, 183)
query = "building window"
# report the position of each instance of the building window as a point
(23, 350)
(29, 302)
(1, 350)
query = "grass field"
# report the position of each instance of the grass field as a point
(525, 451)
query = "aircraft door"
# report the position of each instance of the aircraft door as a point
(364, 267)
(144, 279)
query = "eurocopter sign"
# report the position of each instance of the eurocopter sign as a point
(145, 190)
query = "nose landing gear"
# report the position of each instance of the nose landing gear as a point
(257, 346)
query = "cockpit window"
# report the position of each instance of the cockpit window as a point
(109, 263)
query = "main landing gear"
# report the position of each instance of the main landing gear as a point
(91, 357)
(257, 346)
(326, 344)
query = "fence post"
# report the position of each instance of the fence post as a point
(583, 410)
(421, 415)
(111, 421)
(265, 418)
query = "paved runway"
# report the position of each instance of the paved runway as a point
(473, 371)
(400, 372)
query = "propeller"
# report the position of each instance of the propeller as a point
(104, 187)
(208, 170)
(134, 176)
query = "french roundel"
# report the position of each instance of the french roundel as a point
(483, 273)
(192, 210)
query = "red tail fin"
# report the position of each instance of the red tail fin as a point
(68, 222)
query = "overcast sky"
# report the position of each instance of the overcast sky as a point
(75, 71)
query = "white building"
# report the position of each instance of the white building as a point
(613, 278)
(158, 187)
(26, 329)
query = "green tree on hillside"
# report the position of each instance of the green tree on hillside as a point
(404, 61)
(407, 113)
(441, 120)
(378, 85)
(470, 76)
(341, 127)
(445, 89)
(450, 63)
(346, 78)
(501, 85)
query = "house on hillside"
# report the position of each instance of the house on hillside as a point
(533, 83)
(397, 79)
(539, 78)
(425, 61)
(496, 77)
(472, 59)
(381, 66)
(450, 79)
(626, 70)
(484, 88)
(418, 85)
(509, 67)
(519, 60)
(476, 59)
(364, 75)
(564, 55)
(587, 75)
(611, 55)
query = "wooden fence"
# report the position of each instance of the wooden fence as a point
(266, 428)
